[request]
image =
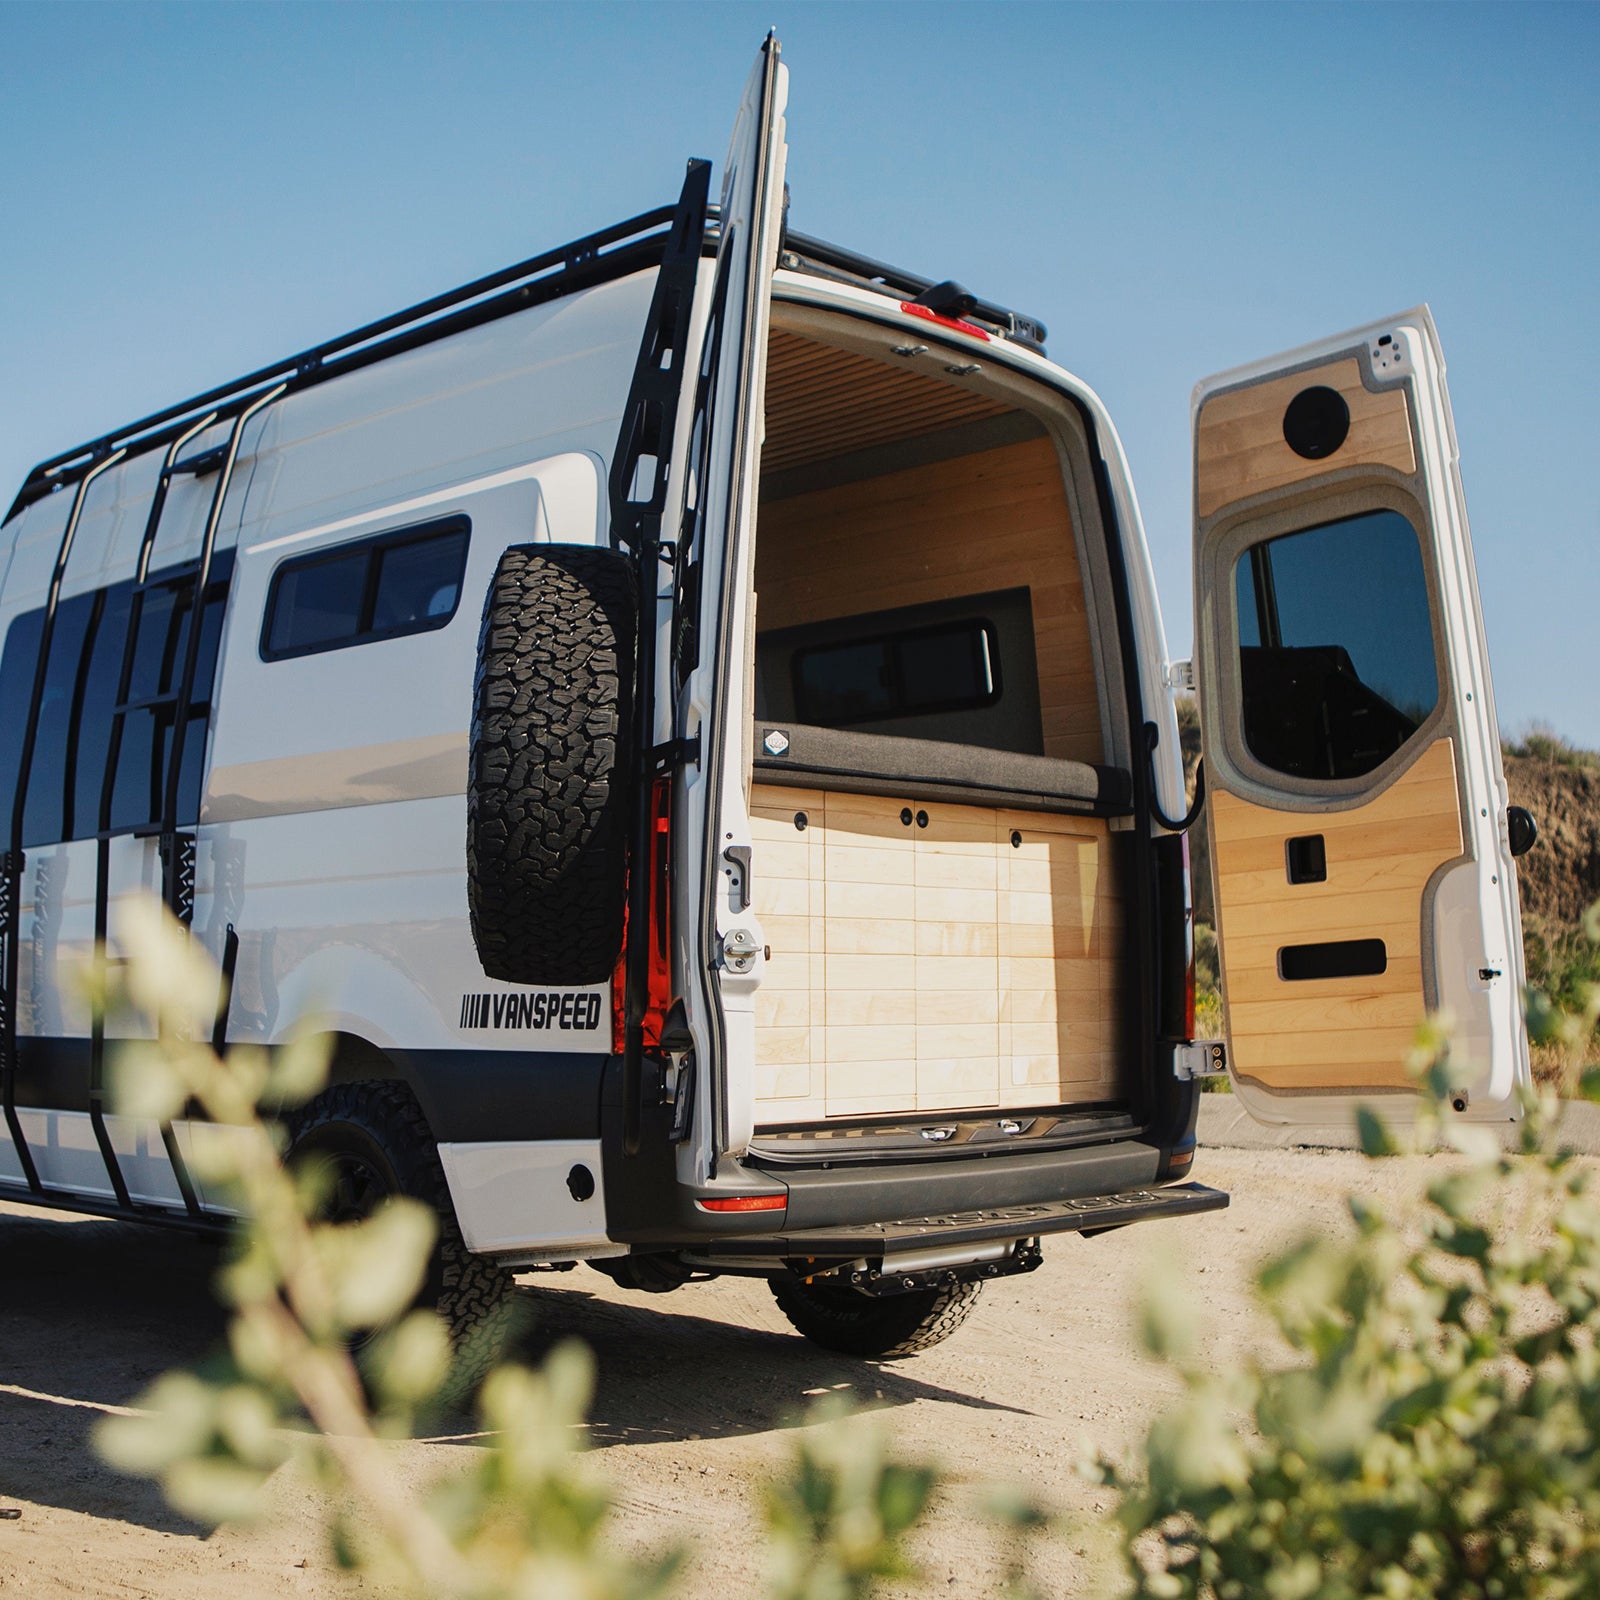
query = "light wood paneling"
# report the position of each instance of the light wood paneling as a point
(1331, 1032)
(823, 402)
(997, 519)
(931, 969)
(1239, 444)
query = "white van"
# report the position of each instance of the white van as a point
(688, 715)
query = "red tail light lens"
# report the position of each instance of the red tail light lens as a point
(971, 329)
(747, 1202)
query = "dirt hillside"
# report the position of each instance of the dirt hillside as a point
(1560, 876)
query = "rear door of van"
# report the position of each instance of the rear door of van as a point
(718, 939)
(1356, 800)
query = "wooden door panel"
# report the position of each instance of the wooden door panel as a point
(1312, 1034)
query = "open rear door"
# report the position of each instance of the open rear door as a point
(1356, 799)
(721, 944)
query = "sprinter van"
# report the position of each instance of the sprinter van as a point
(688, 718)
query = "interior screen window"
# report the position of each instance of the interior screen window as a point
(1336, 656)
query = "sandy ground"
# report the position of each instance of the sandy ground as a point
(697, 1392)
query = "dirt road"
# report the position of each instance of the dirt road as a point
(695, 1392)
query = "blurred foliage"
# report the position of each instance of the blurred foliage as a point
(1563, 970)
(1437, 1433)
(529, 1519)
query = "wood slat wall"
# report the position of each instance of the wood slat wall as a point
(931, 969)
(997, 519)
(1380, 856)
(1239, 444)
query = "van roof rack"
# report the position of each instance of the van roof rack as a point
(611, 253)
(802, 253)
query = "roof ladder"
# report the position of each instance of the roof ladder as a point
(15, 862)
(102, 883)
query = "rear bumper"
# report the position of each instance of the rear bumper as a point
(914, 1238)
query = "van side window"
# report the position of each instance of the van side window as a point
(1336, 656)
(384, 588)
(84, 726)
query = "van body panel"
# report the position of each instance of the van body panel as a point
(1356, 800)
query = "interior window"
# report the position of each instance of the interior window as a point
(406, 582)
(959, 670)
(1336, 655)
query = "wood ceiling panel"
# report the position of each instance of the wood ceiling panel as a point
(823, 403)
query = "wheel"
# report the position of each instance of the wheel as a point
(377, 1143)
(838, 1318)
(549, 788)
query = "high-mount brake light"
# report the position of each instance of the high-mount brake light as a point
(746, 1202)
(971, 329)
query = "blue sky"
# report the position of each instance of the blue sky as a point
(190, 191)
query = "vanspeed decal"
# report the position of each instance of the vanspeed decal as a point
(552, 1010)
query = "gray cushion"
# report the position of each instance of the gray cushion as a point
(879, 763)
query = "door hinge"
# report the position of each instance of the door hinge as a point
(1200, 1058)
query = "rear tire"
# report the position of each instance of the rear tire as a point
(838, 1318)
(378, 1144)
(549, 786)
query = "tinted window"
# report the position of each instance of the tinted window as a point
(950, 668)
(78, 721)
(1336, 654)
(403, 583)
(319, 605)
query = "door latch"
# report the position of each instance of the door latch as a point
(739, 950)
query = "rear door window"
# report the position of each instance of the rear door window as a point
(1336, 648)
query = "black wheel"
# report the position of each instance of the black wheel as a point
(376, 1142)
(838, 1318)
(549, 786)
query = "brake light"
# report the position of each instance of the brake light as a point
(746, 1202)
(658, 971)
(971, 329)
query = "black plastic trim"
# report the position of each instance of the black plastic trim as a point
(999, 1221)
(469, 1096)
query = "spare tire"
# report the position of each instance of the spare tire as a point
(550, 782)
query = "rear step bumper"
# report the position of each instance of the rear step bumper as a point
(914, 1238)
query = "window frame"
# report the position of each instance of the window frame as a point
(373, 547)
(1219, 621)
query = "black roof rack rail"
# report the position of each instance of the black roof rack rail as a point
(611, 253)
(802, 253)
